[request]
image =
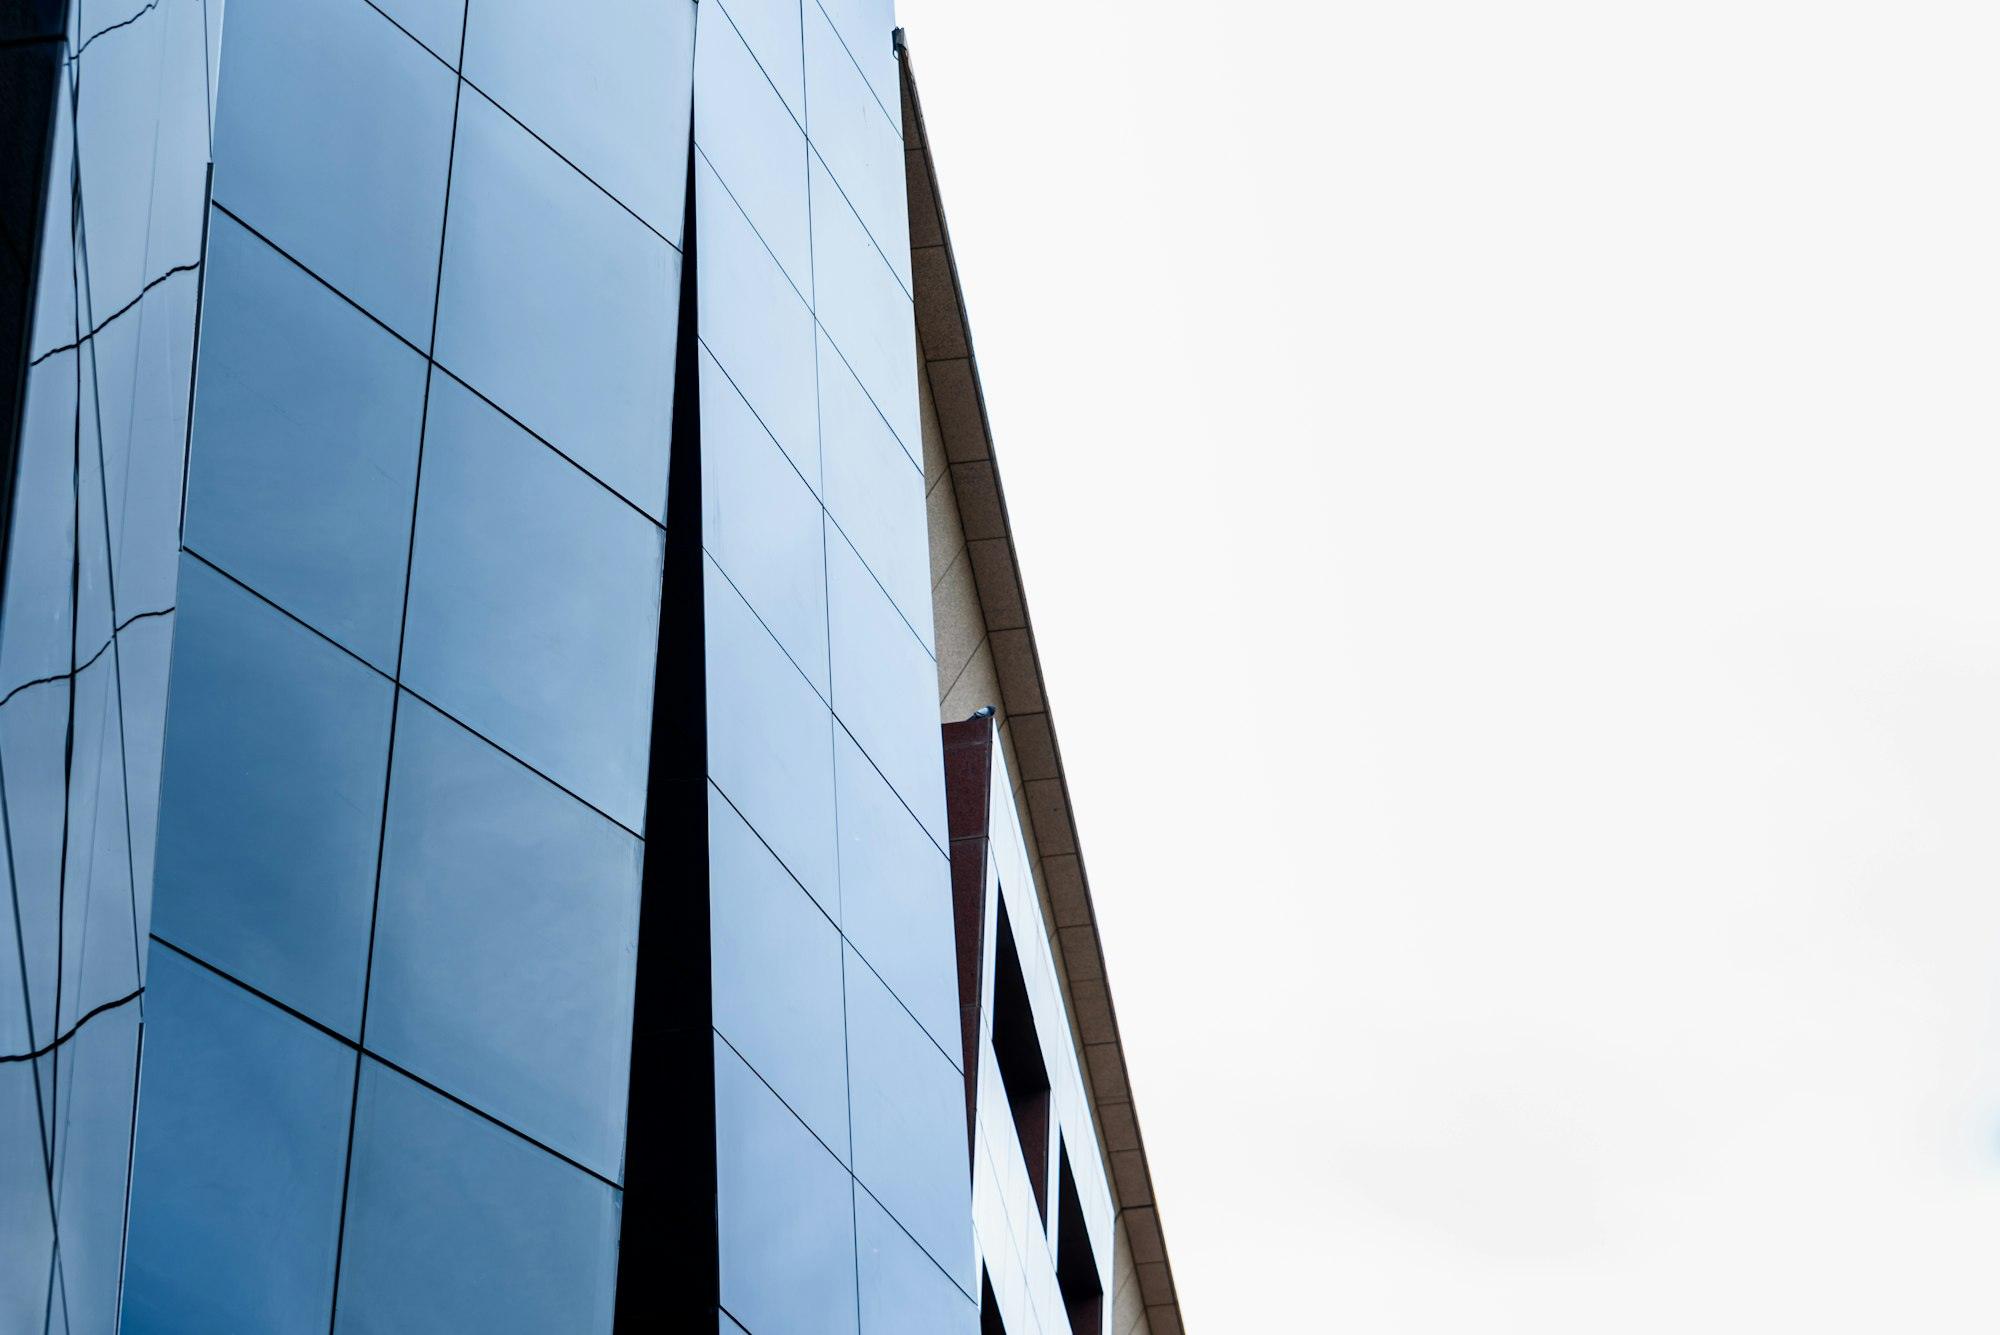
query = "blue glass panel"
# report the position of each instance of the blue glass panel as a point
(771, 28)
(903, 1292)
(455, 1224)
(438, 24)
(303, 465)
(776, 970)
(505, 941)
(142, 384)
(635, 57)
(857, 141)
(756, 323)
(118, 79)
(333, 138)
(92, 576)
(770, 741)
(884, 685)
(755, 146)
(35, 615)
(534, 604)
(785, 1214)
(100, 952)
(867, 27)
(55, 282)
(34, 732)
(557, 304)
(97, 1074)
(178, 185)
(761, 523)
(145, 649)
(237, 1170)
(895, 894)
(271, 800)
(908, 1110)
(27, 1239)
(875, 491)
(865, 311)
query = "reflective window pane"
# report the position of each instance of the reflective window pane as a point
(35, 615)
(895, 894)
(761, 523)
(875, 492)
(534, 604)
(100, 955)
(27, 1238)
(884, 685)
(505, 940)
(34, 733)
(770, 741)
(785, 1215)
(908, 1105)
(867, 28)
(557, 304)
(302, 468)
(756, 323)
(438, 24)
(750, 138)
(866, 312)
(96, 1076)
(776, 969)
(140, 370)
(455, 1224)
(858, 142)
(237, 1171)
(771, 29)
(276, 755)
(333, 139)
(903, 1292)
(634, 56)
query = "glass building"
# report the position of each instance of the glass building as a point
(527, 794)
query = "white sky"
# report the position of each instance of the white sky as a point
(1510, 501)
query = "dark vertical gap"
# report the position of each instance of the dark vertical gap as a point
(968, 777)
(1076, 1265)
(668, 1263)
(1017, 1051)
(989, 1308)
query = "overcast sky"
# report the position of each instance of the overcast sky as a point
(1510, 499)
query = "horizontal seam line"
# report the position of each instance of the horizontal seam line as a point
(73, 1030)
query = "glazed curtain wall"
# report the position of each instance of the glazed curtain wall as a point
(843, 1187)
(396, 897)
(87, 622)
(404, 567)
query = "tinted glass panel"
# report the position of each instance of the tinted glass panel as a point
(302, 468)
(866, 312)
(776, 962)
(97, 1075)
(333, 138)
(236, 1173)
(770, 741)
(908, 1106)
(761, 523)
(100, 956)
(754, 145)
(438, 24)
(271, 800)
(634, 57)
(454, 1224)
(141, 382)
(26, 1238)
(895, 894)
(34, 732)
(771, 28)
(534, 604)
(504, 941)
(36, 612)
(784, 1213)
(756, 324)
(856, 139)
(867, 27)
(903, 1292)
(557, 303)
(884, 685)
(874, 491)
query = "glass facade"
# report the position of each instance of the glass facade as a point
(340, 615)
